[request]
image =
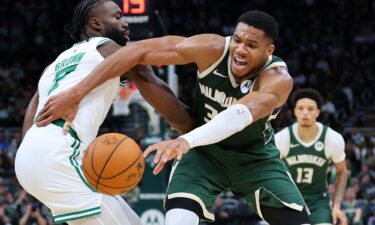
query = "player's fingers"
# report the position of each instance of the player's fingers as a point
(69, 120)
(159, 153)
(47, 107)
(42, 115)
(167, 153)
(46, 121)
(66, 127)
(343, 220)
(158, 168)
(179, 155)
(150, 149)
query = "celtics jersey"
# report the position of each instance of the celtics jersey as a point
(69, 68)
(217, 89)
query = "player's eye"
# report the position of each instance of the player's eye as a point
(252, 45)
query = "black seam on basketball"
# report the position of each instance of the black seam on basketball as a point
(135, 161)
(92, 157)
(109, 158)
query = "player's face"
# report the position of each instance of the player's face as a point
(249, 50)
(114, 25)
(306, 112)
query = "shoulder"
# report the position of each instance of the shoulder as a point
(334, 145)
(107, 47)
(334, 138)
(275, 80)
(282, 137)
(282, 141)
(276, 66)
(203, 49)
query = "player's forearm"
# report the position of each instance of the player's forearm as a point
(178, 115)
(157, 93)
(113, 66)
(228, 122)
(30, 113)
(341, 180)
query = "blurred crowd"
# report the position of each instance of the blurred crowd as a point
(326, 44)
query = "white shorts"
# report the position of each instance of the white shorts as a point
(115, 211)
(48, 166)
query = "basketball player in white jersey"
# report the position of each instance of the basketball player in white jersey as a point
(308, 148)
(48, 163)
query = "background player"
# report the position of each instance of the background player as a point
(308, 148)
(48, 163)
(240, 84)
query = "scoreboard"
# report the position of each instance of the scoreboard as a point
(140, 16)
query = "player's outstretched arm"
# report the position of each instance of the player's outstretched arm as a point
(157, 51)
(30, 113)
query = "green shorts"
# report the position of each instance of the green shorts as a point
(257, 175)
(320, 210)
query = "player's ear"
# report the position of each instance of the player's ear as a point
(317, 113)
(94, 23)
(270, 49)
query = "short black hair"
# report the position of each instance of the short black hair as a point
(309, 93)
(81, 15)
(261, 20)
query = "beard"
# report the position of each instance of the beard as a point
(117, 36)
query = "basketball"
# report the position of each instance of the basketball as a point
(113, 164)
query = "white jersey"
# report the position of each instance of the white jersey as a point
(70, 67)
(334, 142)
(48, 163)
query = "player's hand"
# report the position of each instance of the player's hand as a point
(167, 150)
(62, 105)
(338, 215)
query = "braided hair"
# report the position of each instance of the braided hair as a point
(81, 15)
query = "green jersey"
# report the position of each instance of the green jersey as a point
(308, 165)
(216, 89)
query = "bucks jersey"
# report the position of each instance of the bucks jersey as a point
(308, 163)
(70, 67)
(217, 89)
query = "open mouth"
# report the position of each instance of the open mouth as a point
(240, 62)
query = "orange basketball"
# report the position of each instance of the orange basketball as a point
(113, 164)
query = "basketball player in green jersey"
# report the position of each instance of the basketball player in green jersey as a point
(240, 87)
(308, 148)
(48, 163)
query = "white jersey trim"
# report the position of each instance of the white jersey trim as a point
(310, 143)
(213, 66)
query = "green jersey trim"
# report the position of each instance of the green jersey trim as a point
(213, 66)
(102, 42)
(77, 215)
(75, 164)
